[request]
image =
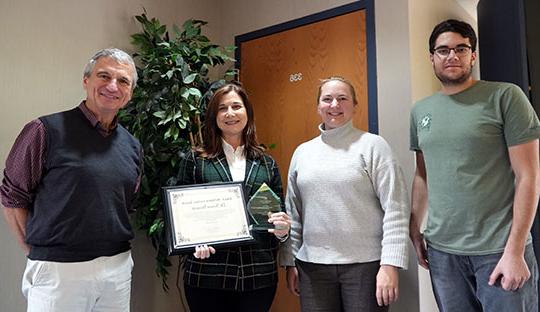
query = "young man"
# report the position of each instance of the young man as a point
(477, 174)
(68, 185)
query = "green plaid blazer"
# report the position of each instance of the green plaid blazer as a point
(241, 268)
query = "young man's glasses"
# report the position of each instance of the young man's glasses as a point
(460, 50)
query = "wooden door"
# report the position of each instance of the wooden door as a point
(281, 73)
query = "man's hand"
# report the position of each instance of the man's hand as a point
(292, 280)
(420, 247)
(387, 285)
(419, 202)
(512, 270)
(16, 219)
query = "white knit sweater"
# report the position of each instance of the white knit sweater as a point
(348, 201)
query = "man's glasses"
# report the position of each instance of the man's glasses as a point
(460, 50)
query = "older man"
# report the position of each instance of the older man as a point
(69, 182)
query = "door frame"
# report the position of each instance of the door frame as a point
(369, 7)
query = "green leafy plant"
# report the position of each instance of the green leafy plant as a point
(166, 110)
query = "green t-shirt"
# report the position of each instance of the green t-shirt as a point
(464, 138)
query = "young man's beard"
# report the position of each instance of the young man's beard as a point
(454, 81)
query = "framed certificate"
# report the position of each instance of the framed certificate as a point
(213, 214)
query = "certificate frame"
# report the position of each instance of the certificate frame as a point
(213, 213)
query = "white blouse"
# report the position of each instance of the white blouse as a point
(236, 160)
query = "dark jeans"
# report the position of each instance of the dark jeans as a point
(339, 287)
(212, 300)
(460, 284)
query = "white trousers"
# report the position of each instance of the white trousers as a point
(99, 285)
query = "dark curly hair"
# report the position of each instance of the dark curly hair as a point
(452, 25)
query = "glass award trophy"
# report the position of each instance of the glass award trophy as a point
(261, 205)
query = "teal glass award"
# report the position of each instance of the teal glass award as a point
(261, 205)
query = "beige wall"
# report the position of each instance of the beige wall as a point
(394, 102)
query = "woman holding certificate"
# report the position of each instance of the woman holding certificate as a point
(240, 278)
(348, 203)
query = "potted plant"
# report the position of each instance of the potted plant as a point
(166, 110)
